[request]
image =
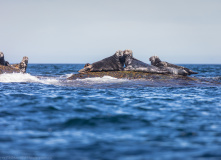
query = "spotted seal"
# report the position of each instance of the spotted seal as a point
(171, 68)
(112, 63)
(133, 64)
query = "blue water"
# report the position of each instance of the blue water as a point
(43, 115)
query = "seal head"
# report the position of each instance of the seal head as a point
(154, 60)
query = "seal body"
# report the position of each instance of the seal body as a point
(133, 64)
(2, 60)
(112, 63)
(171, 68)
(22, 66)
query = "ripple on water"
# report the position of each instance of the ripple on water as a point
(45, 115)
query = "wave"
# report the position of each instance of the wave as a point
(17, 77)
(20, 77)
(62, 80)
(217, 78)
(66, 76)
(104, 79)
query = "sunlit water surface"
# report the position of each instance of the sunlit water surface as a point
(44, 115)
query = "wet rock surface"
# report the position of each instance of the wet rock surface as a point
(128, 75)
(9, 69)
(152, 79)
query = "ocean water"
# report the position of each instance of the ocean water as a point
(45, 116)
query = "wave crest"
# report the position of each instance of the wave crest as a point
(25, 77)
(104, 79)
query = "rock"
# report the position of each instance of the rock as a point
(128, 75)
(8, 69)
(5, 67)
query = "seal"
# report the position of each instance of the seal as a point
(133, 64)
(112, 63)
(2, 60)
(22, 66)
(171, 68)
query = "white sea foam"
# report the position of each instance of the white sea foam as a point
(17, 77)
(20, 77)
(27, 78)
(104, 79)
(49, 80)
(66, 75)
(69, 75)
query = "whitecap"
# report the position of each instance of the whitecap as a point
(104, 79)
(26, 77)
(17, 77)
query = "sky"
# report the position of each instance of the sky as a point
(86, 31)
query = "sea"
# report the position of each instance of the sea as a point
(44, 116)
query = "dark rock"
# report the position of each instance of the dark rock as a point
(129, 75)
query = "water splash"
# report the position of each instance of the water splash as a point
(60, 81)
(100, 82)
(20, 77)
(104, 79)
(17, 77)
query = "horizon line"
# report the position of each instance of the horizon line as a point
(91, 63)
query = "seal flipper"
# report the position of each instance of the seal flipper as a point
(190, 71)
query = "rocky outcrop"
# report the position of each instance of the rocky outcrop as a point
(129, 75)
(5, 67)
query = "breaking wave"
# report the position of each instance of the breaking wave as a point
(102, 82)
(17, 77)
(20, 77)
(62, 80)
(104, 79)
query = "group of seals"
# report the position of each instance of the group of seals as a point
(22, 66)
(133, 64)
(125, 58)
(171, 68)
(117, 62)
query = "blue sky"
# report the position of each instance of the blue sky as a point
(74, 31)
